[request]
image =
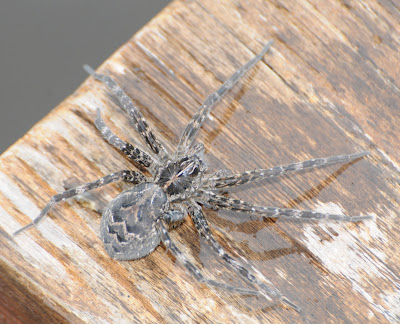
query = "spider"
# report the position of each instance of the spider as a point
(134, 223)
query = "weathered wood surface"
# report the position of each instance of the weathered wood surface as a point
(329, 86)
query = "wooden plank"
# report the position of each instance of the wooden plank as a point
(329, 86)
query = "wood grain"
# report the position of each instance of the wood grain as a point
(328, 86)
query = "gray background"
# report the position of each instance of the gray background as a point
(43, 44)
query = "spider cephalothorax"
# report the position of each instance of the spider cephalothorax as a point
(181, 176)
(134, 222)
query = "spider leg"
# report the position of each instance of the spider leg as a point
(135, 154)
(127, 175)
(215, 182)
(126, 104)
(197, 121)
(201, 224)
(193, 270)
(175, 214)
(270, 212)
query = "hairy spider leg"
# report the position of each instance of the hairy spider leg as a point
(270, 212)
(197, 120)
(134, 177)
(176, 214)
(201, 224)
(193, 270)
(126, 104)
(135, 154)
(248, 176)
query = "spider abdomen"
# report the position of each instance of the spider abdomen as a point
(128, 224)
